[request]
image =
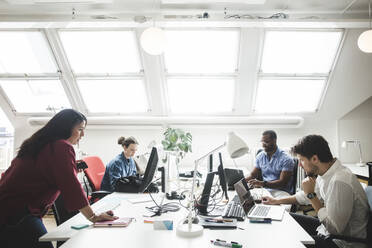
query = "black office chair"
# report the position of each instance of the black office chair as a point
(294, 183)
(61, 214)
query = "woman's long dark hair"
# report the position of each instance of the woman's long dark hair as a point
(59, 127)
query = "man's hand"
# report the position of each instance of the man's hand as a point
(269, 200)
(308, 185)
(256, 183)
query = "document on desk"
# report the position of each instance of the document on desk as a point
(121, 222)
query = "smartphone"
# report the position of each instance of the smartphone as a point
(79, 226)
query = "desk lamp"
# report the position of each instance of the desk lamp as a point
(356, 143)
(236, 147)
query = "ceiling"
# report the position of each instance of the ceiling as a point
(124, 9)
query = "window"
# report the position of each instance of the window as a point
(289, 95)
(30, 78)
(120, 95)
(294, 71)
(202, 51)
(114, 55)
(101, 52)
(201, 95)
(201, 68)
(25, 53)
(32, 96)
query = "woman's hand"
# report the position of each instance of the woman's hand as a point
(109, 215)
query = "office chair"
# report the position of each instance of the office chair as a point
(94, 173)
(294, 183)
(368, 239)
(61, 214)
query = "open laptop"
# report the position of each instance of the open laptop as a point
(256, 211)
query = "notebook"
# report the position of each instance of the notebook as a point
(121, 222)
(256, 211)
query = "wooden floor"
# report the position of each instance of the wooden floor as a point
(50, 224)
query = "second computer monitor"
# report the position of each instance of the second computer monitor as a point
(222, 176)
(150, 169)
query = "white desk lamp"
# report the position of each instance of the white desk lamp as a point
(236, 147)
(356, 143)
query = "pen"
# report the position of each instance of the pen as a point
(223, 243)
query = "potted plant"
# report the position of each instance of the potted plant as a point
(178, 141)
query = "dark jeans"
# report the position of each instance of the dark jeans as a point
(310, 224)
(23, 230)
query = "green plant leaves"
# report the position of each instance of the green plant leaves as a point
(178, 140)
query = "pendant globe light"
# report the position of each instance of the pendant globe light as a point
(153, 39)
(365, 39)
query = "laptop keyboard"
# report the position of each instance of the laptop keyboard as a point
(261, 211)
(234, 210)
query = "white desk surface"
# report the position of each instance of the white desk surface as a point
(140, 234)
(358, 170)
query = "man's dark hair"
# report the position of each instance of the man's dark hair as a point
(271, 134)
(59, 127)
(311, 145)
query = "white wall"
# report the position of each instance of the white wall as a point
(357, 125)
(104, 142)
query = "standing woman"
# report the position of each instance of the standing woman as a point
(122, 165)
(44, 167)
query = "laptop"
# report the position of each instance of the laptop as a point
(233, 176)
(253, 210)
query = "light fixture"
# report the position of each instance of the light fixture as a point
(153, 41)
(365, 39)
(236, 147)
(356, 144)
(153, 38)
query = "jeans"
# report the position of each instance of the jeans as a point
(23, 230)
(310, 224)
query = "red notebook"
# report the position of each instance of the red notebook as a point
(121, 222)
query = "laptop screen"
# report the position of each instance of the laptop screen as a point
(245, 197)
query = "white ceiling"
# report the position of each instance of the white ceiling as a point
(120, 9)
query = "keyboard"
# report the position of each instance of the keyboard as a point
(261, 211)
(233, 210)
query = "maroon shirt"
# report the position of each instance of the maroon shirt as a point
(36, 184)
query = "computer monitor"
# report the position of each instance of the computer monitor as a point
(210, 169)
(202, 205)
(222, 176)
(150, 169)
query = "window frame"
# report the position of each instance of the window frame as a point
(326, 76)
(99, 76)
(233, 75)
(33, 76)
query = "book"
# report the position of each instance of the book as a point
(121, 222)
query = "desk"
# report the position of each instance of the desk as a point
(141, 235)
(360, 172)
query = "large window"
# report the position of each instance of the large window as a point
(114, 95)
(112, 54)
(29, 74)
(201, 68)
(295, 68)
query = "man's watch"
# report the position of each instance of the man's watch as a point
(264, 183)
(311, 195)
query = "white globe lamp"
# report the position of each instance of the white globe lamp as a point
(153, 41)
(365, 41)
